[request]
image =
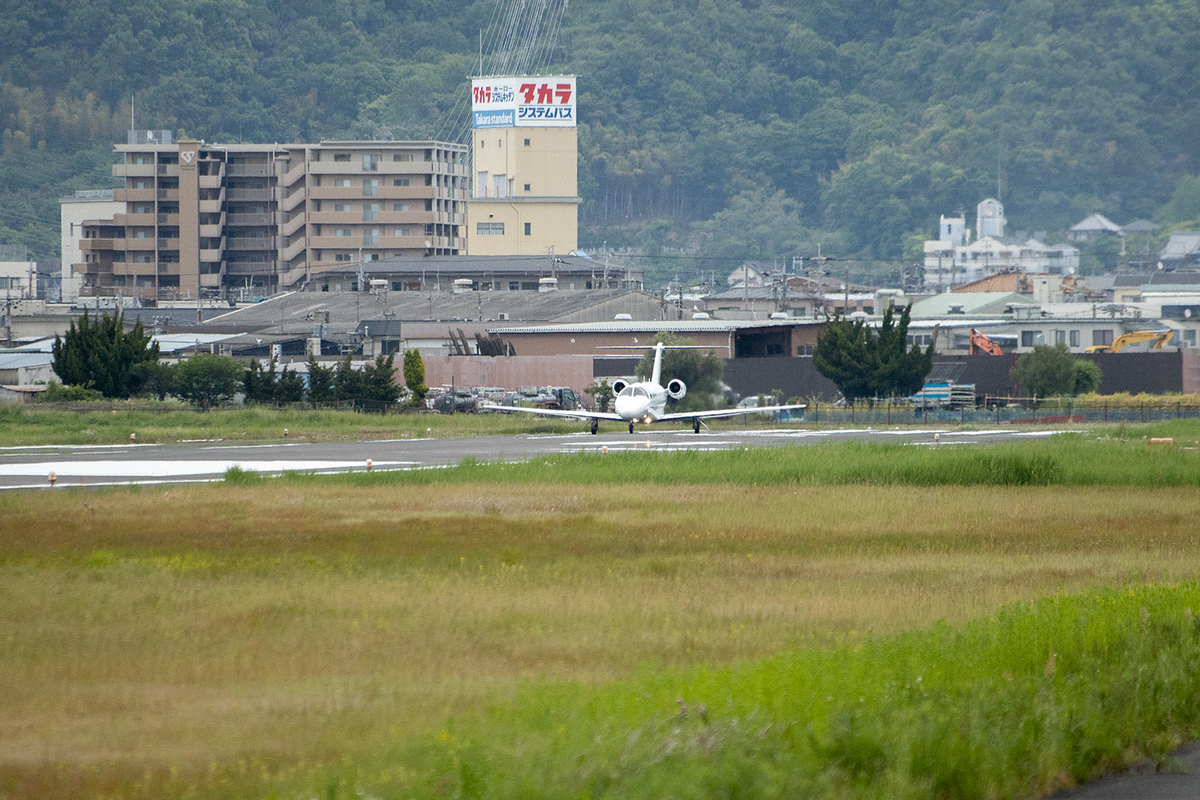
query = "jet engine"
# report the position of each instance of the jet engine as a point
(618, 387)
(676, 389)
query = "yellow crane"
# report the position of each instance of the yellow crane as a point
(1157, 339)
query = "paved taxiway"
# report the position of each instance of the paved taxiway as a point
(99, 465)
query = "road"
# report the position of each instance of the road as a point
(106, 465)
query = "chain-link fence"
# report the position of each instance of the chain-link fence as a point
(1004, 410)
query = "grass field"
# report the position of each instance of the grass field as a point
(487, 632)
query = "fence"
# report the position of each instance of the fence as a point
(1005, 410)
(361, 406)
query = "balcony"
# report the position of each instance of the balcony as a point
(96, 245)
(168, 170)
(132, 195)
(210, 181)
(250, 243)
(211, 231)
(250, 268)
(133, 170)
(134, 219)
(248, 194)
(211, 256)
(168, 219)
(140, 245)
(248, 170)
(168, 244)
(249, 219)
(168, 194)
(211, 206)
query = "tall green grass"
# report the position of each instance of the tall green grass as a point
(1038, 697)
(1067, 460)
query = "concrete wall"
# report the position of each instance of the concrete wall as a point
(509, 373)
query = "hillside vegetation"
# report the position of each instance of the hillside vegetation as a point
(731, 129)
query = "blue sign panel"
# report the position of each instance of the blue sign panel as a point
(495, 119)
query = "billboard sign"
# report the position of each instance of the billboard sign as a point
(523, 102)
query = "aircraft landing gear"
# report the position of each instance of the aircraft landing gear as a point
(595, 426)
(695, 424)
(631, 427)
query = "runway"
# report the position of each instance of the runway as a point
(30, 467)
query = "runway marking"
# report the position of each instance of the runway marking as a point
(164, 469)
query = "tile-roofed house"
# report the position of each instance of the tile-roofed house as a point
(1182, 251)
(1092, 226)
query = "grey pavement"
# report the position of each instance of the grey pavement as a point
(99, 465)
(1180, 780)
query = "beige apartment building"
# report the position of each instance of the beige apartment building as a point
(241, 220)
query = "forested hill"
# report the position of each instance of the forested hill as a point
(753, 128)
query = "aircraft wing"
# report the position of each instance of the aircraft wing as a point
(728, 412)
(554, 412)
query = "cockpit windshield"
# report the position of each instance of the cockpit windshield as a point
(626, 392)
(640, 392)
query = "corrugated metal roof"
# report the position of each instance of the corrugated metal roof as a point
(654, 326)
(24, 360)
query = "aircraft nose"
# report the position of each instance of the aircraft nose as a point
(631, 407)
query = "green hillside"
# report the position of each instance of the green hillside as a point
(724, 129)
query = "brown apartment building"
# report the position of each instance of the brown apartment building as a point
(231, 221)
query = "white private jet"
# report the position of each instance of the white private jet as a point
(646, 401)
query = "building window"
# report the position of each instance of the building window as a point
(370, 212)
(1060, 337)
(370, 236)
(1102, 337)
(527, 187)
(528, 228)
(489, 228)
(370, 163)
(341, 183)
(341, 207)
(341, 257)
(400, 182)
(429, 205)
(429, 180)
(402, 157)
(1074, 338)
(370, 187)
(1030, 338)
(401, 232)
(1189, 337)
(342, 232)
(527, 143)
(402, 207)
(343, 157)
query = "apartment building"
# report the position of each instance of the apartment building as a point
(242, 220)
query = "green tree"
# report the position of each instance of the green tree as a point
(258, 383)
(207, 380)
(348, 382)
(869, 363)
(1088, 377)
(844, 356)
(320, 382)
(1051, 370)
(154, 378)
(379, 379)
(289, 387)
(414, 375)
(101, 355)
(602, 394)
(700, 370)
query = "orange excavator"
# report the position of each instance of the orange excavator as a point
(978, 340)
